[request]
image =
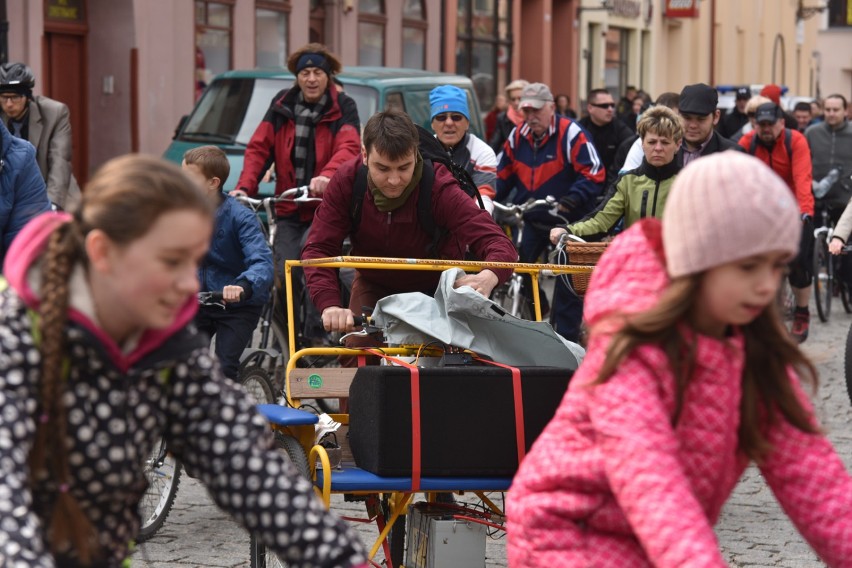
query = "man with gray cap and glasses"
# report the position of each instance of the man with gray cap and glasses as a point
(550, 155)
(697, 108)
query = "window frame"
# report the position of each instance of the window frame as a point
(281, 6)
(205, 27)
(422, 25)
(375, 19)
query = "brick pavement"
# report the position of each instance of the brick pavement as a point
(753, 531)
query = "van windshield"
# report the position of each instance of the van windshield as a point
(230, 110)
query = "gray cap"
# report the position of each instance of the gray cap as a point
(535, 95)
(768, 112)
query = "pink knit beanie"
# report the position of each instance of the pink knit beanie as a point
(726, 207)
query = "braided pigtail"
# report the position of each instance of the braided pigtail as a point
(69, 525)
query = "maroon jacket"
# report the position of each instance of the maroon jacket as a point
(399, 234)
(337, 138)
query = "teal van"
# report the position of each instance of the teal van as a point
(235, 102)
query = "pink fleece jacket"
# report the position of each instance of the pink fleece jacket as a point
(610, 482)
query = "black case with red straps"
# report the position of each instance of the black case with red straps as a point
(467, 418)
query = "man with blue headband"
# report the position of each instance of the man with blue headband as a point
(308, 131)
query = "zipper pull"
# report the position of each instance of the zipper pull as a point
(389, 217)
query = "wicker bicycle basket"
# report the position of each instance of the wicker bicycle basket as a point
(583, 254)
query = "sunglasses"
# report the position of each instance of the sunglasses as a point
(454, 116)
(603, 105)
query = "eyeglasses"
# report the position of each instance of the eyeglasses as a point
(10, 98)
(455, 116)
(603, 105)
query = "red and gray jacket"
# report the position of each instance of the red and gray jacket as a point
(336, 139)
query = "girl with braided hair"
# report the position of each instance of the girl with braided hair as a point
(98, 360)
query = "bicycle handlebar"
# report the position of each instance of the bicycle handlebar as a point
(521, 208)
(299, 194)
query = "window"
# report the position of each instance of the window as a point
(371, 32)
(213, 30)
(615, 66)
(271, 33)
(317, 22)
(484, 47)
(414, 34)
(839, 13)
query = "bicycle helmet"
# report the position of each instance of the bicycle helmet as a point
(16, 77)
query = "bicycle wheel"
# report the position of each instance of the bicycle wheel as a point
(259, 555)
(823, 269)
(163, 473)
(257, 383)
(847, 364)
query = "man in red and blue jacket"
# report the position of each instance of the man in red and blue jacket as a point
(550, 155)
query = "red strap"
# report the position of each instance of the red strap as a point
(520, 438)
(416, 468)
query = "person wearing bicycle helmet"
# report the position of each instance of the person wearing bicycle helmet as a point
(45, 123)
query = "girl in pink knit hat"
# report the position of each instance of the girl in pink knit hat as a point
(689, 376)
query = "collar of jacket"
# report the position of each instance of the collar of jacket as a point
(287, 103)
(527, 132)
(659, 174)
(451, 150)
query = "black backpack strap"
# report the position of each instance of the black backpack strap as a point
(359, 190)
(788, 143)
(424, 207)
(752, 148)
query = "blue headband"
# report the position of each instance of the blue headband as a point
(313, 60)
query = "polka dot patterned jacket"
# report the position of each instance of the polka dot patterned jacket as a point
(117, 406)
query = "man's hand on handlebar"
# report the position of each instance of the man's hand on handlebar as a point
(237, 193)
(482, 282)
(338, 319)
(836, 245)
(556, 233)
(318, 185)
(232, 293)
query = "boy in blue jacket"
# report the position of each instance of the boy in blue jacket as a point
(238, 263)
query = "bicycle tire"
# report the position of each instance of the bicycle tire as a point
(396, 537)
(823, 278)
(847, 364)
(163, 472)
(786, 300)
(256, 382)
(259, 556)
(844, 298)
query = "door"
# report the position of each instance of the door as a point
(65, 78)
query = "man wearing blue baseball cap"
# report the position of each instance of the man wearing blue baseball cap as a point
(451, 124)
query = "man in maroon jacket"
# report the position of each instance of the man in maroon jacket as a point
(389, 224)
(308, 131)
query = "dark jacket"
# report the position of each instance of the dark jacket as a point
(238, 255)
(565, 166)
(22, 191)
(502, 131)
(118, 408)
(731, 123)
(607, 139)
(717, 144)
(337, 138)
(399, 234)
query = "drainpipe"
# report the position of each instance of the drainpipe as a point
(712, 42)
(4, 33)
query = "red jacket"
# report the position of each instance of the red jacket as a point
(798, 174)
(610, 481)
(398, 234)
(337, 138)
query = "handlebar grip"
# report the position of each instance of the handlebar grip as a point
(361, 321)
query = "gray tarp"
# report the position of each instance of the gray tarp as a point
(464, 318)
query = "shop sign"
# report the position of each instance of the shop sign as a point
(626, 8)
(681, 8)
(64, 10)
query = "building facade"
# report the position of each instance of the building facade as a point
(129, 69)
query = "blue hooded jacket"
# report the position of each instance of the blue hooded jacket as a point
(238, 255)
(22, 191)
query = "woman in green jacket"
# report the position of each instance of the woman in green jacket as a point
(641, 192)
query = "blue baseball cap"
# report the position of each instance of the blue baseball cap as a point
(448, 98)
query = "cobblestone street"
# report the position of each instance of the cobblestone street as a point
(753, 531)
